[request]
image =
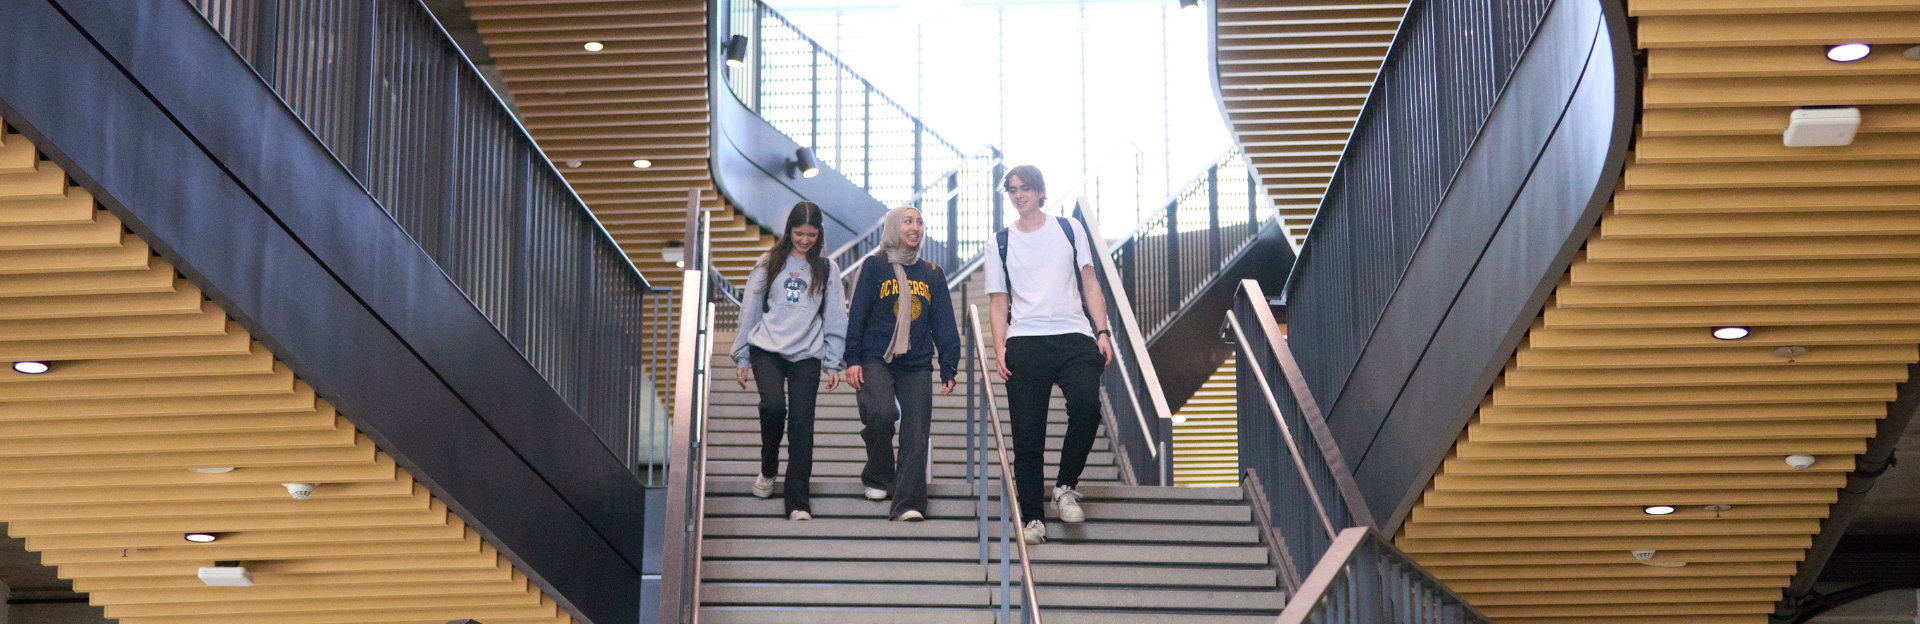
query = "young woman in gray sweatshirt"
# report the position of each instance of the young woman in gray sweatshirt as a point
(793, 324)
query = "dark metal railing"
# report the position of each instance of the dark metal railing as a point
(390, 95)
(1141, 421)
(1447, 66)
(1365, 580)
(1284, 438)
(806, 92)
(1203, 228)
(962, 212)
(983, 426)
(686, 478)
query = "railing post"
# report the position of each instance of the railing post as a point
(1213, 216)
(917, 146)
(1173, 255)
(999, 180)
(953, 220)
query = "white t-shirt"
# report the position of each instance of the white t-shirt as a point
(1046, 295)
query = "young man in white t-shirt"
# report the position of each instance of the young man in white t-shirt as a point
(1051, 329)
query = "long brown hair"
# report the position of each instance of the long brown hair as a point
(803, 213)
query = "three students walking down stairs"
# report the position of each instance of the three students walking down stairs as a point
(824, 554)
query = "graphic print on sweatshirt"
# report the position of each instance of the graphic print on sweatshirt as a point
(892, 287)
(794, 286)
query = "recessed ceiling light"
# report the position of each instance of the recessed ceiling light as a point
(1179, 419)
(573, 164)
(1848, 52)
(213, 470)
(1731, 332)
(201, 538)
(1660, 510)
(594, 46)
(643, 163)
(31, 367)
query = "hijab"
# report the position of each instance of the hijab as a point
(900, 256)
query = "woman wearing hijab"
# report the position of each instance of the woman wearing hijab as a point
(786, 338)
(900, 314)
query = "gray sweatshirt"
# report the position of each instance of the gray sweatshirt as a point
(794, 325)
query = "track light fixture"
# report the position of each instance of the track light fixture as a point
(31, 367)
(803, 163)
(1848, 52)
(737, 51)
(1189, 5)
(1731, 332)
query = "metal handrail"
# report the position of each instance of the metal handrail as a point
(1154, 416)
(1007, 494)
(687, 467)
(867, 242)
(1286, 432)
(1303, 396)
(1364, 579)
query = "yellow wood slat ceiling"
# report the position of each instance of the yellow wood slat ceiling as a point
(1206, 433)
(150, 381)
(1293, 74)
(644, 96)
(1620, 398)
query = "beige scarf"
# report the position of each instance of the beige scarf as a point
(900, 256)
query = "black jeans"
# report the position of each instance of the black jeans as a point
(792, 413)
(1073, 362)
(887, 395)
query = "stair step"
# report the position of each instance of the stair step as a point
(1139, 576)
(841, 594)
(941, 470)
(842, 550)
(853, 440)
(1136, 598)
(1062, 616)
(843, 571)
(846, 454)
(791, 615)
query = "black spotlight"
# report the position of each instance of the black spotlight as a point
(803, 163)
(737, 51)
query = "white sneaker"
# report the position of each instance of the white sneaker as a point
(1035, 533)
(911, 516)
(1068, 502)
(763, 486)
(876, 494)
(799, 515)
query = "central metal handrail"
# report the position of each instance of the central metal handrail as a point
(1011, 500)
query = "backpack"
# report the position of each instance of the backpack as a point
(1073, 261)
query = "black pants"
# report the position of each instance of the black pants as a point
(787, 391)
(1038, 363)
(887, 395)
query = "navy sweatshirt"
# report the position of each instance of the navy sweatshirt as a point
(870, 319)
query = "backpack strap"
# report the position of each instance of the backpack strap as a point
(1073, 265)
(1006, 274)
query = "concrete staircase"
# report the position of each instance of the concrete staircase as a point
(1146, 555)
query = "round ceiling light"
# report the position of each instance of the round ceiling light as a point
(1660, 510)
(31, 367)
(1731, 333)
(594, 46)
(201, 538)
(220, 470)
(1848, 52)
(643, 163)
